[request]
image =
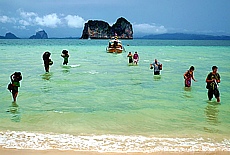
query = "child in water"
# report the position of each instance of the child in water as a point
(65, 55)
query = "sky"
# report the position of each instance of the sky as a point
(66, 18)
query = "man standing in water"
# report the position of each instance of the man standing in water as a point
(157, 66)
(212, 80)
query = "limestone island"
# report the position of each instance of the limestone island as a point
(97, 29)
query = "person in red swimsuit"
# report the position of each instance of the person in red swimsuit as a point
(188, 76)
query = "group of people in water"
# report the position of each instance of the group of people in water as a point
(212, 80)
(16, 77)
(133, 58)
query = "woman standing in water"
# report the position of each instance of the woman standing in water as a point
(15, 78)
(188, 76)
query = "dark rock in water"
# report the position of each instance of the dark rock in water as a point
(39, 35)
(123, 28)
(10, 36)
(95, 29)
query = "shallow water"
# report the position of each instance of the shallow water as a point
(99, 100)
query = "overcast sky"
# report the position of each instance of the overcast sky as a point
(66, 18)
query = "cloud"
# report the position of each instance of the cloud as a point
(24, 22)
(33, 19)
(74, 21)
(51, 20)
(149, 28)
(27, 15)
(5, 19)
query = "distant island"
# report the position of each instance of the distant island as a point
(95, 29)
(9, 35)
(40, 35)
(183, 36)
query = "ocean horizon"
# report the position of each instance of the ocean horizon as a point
(100, 103)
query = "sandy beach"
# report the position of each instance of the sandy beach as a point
(4, 151)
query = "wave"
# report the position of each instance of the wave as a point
(109, 143)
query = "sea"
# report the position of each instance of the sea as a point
(99, 102)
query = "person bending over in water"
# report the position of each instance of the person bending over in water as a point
(47, 60)
(212, 80)
(188, 76)
(15, 78)
(65, 55)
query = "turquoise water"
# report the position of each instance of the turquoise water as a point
(100, 103)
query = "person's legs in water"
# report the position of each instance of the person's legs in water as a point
(46, 64)
(210, 94)
(217, 95)
(15, 93)
(157, 73)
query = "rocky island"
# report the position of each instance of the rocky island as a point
(40, 35)
(96, 29)
(9, 35)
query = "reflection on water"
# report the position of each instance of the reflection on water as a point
(156, 77)
(46, 76)
(66, 70)
(187, 92)
(211, 112)
(14, 111)
(188, 89)
(46, 88)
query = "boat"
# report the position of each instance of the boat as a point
(115, 46)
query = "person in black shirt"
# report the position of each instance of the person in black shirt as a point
(212, 80)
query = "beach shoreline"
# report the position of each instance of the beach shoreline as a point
(7, 151)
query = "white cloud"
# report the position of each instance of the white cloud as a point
(51, 20)
(74, 21)
(5, 19)
(149, 28)
(24, 22)
(22, 27)
(27, 15)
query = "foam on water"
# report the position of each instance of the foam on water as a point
(109, 143)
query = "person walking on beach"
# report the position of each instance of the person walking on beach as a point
(135, 58)
(65, 55)
(47, 60)
(157, 66)
(15, 78)
(130, 56)
(212, 80)
(188, 76)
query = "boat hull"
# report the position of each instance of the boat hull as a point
(114, 50)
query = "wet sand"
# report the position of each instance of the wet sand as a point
(4, 151)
